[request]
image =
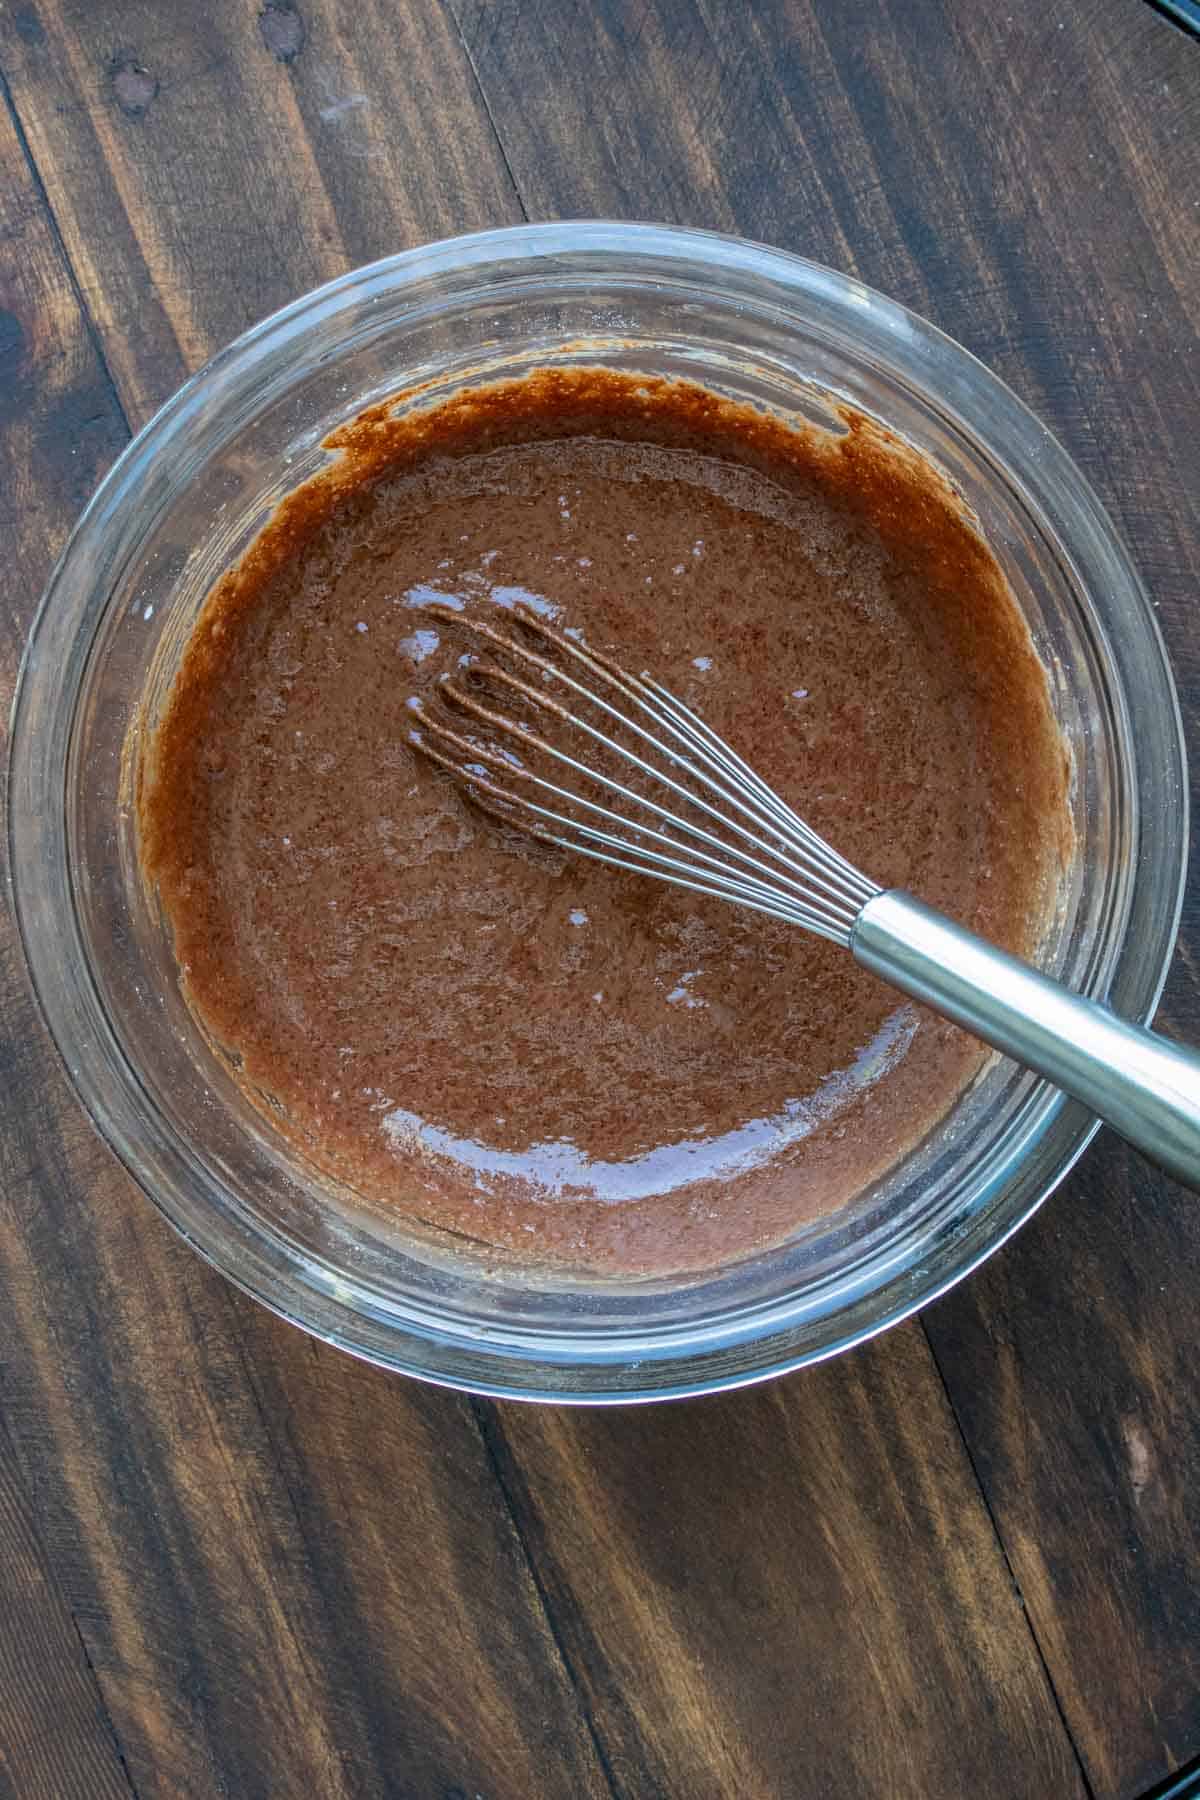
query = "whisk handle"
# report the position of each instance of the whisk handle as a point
(1144, 1086)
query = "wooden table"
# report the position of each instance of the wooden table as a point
(960, 1561)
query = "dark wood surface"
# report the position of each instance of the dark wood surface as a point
(233, 1562)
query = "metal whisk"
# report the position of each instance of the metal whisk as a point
(661, 794)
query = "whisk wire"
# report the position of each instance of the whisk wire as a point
(812, 885)
(488, 716)
(722, 881)
(856, 885)
(689, 729)
(1148, 1088)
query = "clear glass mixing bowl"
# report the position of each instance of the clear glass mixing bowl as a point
(179, 507)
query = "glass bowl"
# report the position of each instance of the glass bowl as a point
(179, 507)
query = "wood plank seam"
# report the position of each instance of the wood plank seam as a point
(475, 1407)
(977, 1478)
(539, 1588)
(1018, 276)
(486, 1429)
(85, 311)
(93, 336)
(24, 1503)
(96, 342)
(455, 21)
(90, 326)
(489, 1428)
(1021, 338)
(118, 1747)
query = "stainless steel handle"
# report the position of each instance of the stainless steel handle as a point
(1144, 1086)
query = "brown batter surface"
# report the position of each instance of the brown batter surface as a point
(543, 1055)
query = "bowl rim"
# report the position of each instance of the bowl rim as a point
(481, 252)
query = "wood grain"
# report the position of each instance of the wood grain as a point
(1026, 177)
(289, 1571)
(289, 1574)
(55, 1736)
(208, 163)
(816, 1576)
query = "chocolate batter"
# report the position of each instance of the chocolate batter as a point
(545, 1056)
